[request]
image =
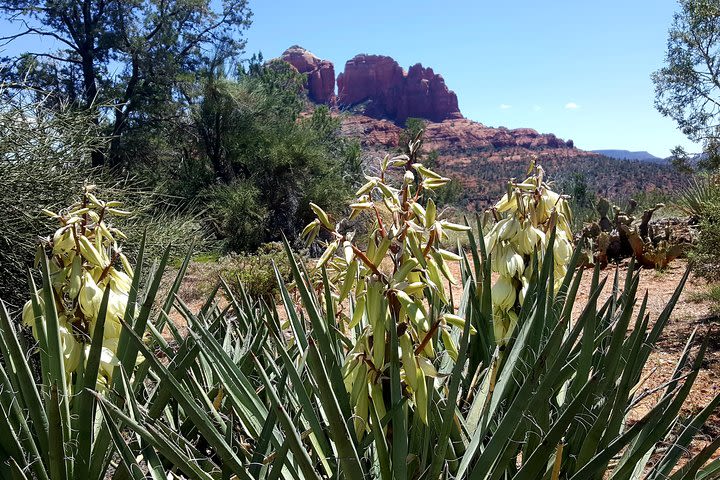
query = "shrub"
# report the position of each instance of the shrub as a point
(695, 197)
(44, 158)
(237, 216)
(45, 149)
(706, 255)
(265, 158)
(255, 273)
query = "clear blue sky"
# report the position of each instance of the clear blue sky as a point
(578, 69)
(516, 64)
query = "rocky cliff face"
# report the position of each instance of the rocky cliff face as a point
(387, 91)
(320, 73)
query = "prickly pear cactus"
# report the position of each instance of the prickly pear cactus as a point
(623, 236)
(603, 209)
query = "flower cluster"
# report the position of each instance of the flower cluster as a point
(524, 218)
(385, 279)
(84, 260)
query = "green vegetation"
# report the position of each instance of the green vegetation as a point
(687, 88)
(216, 138)
(125, 61)
(360, 364)
(269, 163)
(45, 152)
(706, 255)
(249, 394)
(255, 274)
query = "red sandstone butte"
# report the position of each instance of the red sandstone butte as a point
(320, 73)
(389, 92)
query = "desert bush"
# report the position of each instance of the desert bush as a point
(695, 197)
(258, 152)
(254, 273)
(44, 158)
(237, 216)
(706, 255)
(45, 150)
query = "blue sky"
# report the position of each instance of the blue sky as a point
(516, 64)
(577, 69)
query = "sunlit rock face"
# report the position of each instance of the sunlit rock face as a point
(387, 91)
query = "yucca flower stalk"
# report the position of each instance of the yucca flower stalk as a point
(84, 260)
(385, 279)
(524, 218)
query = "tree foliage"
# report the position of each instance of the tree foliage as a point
(687, 88)
(265, 161)
(128, 54)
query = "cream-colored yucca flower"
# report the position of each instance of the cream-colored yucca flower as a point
(503, 293)
(86, 260)
(525, 216)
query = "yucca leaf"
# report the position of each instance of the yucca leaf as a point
(57, 456)
(20, 440)
(249, 407)
(664, 419)
(56, 365)
(154, 464)
(689, 471)
(85, 411)
(682, 442)
(21, 377)
(399, 418)
(277, 467)
(291, 434)
(538, 459)
(191, 409)
(41, 333)
(324, 450)
(126, 455)
(177, 282)
(319, 327)
(341, 430)
(451, 400)
(160, 441)
(597, 464)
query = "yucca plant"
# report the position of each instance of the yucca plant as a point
(695, 197)
(83, 316)
(255, 392)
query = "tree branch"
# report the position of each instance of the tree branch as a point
(35, 31)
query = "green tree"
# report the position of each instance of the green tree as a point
(251, 135)
(124, 54)
(687, 88)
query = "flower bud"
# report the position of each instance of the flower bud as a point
(408, 178)
(90, 297)
(503, 293)
(562, 250)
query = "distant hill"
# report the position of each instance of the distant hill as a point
(628, 155)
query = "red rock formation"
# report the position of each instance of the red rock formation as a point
(320, 73)
(457, 135)
(394, 94)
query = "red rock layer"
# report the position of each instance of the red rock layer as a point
(389, 92)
